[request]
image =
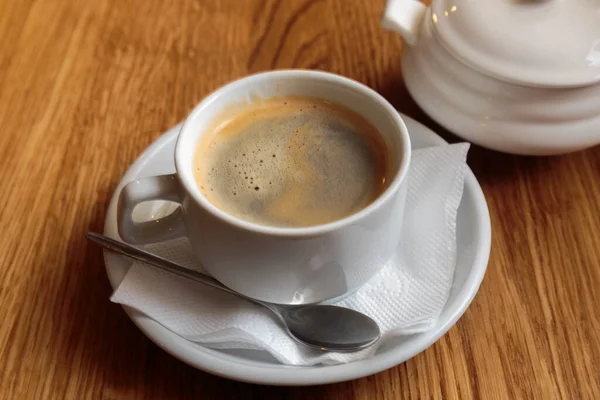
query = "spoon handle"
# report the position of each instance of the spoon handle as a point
(156, 261)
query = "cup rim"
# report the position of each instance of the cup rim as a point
(297, 232)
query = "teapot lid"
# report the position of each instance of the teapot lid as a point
(533, 42)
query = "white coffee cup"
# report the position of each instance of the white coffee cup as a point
(281, 265)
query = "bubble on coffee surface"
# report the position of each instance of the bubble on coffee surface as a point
(305, 164)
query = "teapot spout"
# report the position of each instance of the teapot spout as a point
(404, 17)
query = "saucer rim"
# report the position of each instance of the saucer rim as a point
(236, 368)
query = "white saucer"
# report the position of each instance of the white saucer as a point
(473, 245)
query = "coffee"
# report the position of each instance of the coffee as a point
(292, 162)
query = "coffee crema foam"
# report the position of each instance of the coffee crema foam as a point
(292, 162)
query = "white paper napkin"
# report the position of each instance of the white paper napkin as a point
(406, 297)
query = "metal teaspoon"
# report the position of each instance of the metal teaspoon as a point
(326, 327)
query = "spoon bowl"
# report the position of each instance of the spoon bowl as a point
(320, 326)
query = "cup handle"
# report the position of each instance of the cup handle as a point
(162, 187)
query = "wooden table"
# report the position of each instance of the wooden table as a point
(85, 86)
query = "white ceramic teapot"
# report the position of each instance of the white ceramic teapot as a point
(519, 76)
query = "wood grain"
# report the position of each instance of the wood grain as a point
(85, 86)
